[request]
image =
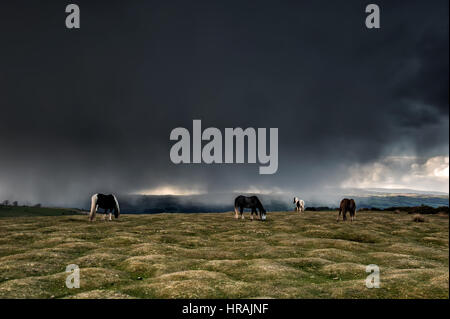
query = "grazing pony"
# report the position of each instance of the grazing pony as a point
(299, 205)
(106, 202)
(347, 205)
(252, 202)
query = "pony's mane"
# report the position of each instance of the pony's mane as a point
(259, 204)
(117, 203)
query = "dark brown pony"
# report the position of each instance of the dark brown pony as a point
(347, 205)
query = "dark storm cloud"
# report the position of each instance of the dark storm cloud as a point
(92, 109)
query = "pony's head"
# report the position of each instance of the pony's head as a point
(116, 208)
(295, 200)
(263, 214)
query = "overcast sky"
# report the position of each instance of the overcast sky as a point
(91, 110)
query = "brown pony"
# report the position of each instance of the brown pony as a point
(347, 205)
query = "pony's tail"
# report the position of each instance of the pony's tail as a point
(93, 207)
(236, 207)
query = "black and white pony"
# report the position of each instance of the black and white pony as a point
(106, 202)
(299, 205)
(252, 202)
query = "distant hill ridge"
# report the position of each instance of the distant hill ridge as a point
(272, 202)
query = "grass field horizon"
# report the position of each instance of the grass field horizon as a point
(206, 255)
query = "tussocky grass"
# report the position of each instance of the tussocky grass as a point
(291, 255)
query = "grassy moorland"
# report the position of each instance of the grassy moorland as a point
(216, 256)
(23, 211)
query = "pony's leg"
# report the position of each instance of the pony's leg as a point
(344, 215)
(94, 207)
(110, 216)
(242, 213)
(253, 212)
(235, 212)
